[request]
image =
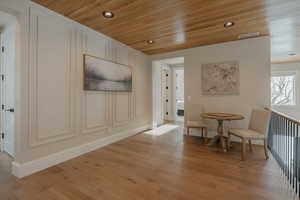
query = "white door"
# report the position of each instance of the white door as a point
(8, 89)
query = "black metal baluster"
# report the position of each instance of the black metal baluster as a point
(297, 160)
(286, 149)
(293, 154)
(276, 152)
(281, 142)
(280, 151)
(278, 133)
(289, 149)
(274, 136)
(278, 138)
(280, 122)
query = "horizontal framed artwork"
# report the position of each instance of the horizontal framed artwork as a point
(104, 75)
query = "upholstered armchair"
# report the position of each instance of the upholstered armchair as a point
(258, 130)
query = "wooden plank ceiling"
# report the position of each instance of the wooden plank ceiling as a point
(181, 24)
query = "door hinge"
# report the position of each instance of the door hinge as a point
(2, 77)
(2, 135)
(2, 106)
(2, 49)
(167, 113)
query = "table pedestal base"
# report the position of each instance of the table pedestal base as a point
(218, 139)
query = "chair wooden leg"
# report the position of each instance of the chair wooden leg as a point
(188, 131)
(205, 134)
(266, 149)
(202, 133)
(250, 146)
(243, 149)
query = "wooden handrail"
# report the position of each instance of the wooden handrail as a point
(291, 119)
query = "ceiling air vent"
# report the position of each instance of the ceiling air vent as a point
(249, 35)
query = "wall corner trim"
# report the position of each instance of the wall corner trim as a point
(21, 170)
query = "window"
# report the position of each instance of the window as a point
(283, 91)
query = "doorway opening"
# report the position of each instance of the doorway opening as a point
(168, 91)
(8, 31)
(178, 75)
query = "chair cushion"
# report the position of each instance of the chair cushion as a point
(247, 133)
(194, 123)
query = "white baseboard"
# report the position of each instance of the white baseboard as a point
(28, 168)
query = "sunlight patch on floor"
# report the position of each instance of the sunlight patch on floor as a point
(162, 129)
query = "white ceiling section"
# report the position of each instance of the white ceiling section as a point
(174, 61)
(6, 19)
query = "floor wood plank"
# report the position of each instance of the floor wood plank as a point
(144, 167)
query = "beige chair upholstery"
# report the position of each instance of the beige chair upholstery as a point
(194, 119)
(257, 130)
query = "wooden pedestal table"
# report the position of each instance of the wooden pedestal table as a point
(221, 117)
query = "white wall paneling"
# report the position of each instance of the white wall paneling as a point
(121, 109)
(96, 108)
(51, 75)
(57, 114)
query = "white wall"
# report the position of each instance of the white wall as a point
(55, 118)
(293, 111)
(255, 68)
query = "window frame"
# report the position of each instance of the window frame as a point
(296, 86)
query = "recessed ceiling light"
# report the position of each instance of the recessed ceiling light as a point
(108, 14)
(150, 41)
(292, 54)
(228, 24)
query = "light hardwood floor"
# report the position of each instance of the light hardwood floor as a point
(7, 181)
(170, 166)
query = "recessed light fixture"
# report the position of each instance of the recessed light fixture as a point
(108, 14)
(292, 54)
(150, 41)
(228, 24)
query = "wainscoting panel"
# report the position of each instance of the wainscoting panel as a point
(121, 108)
(96, 112)
(51, 58)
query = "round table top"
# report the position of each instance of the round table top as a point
(222, 116)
